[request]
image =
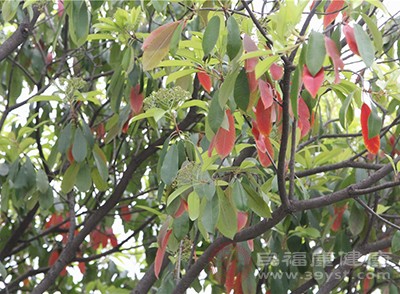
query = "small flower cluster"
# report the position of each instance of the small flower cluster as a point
(167, 99)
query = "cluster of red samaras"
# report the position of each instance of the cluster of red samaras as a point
(97, 237)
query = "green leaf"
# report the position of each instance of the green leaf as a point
(176, 37)
(100, 184)
(242, 90)
(42, 182)
(294, 89)
(79, 22)
(374, 122)
(101, 162)
(315, 52)
(46, 200)
(3, 271)
(211, 35)
(169, 168)
(79, 148)
(256, 202)
(234, 42)
(4, 169)
(64, 141)
(396, 242)
(180, 226)
(9, 9)
(215, 114)
(364, 44)
(264, 65)
(209, 213)
(356, 220)
(239, 196)
(193, 205)
(69, 178)
(39, 98)
(156, 113)
(376, 34)
(227, 216)
(177, 193)
(345, 113)
(84, 179)
(227, 87)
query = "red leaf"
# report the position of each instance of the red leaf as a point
(250, 46)
(204, 80)
(263, 118)
(82, 267)
(110, 236)
(241, 220)
(264, 158)
(125, 127)
(156, 45)
(338, 211)
(251, 78)
(125, 213)
(224, 140)
(334, 53)
(366, 284)
(160, 253)
(230, 276)
(70, 156)
(238, 284)
(100, 131)
(266, 93)
(181, 209)
(53, 257)
(96, 238)
(136, 99)
(250, 243)
(276, 71)
(312, 84)
(372, 144)
(330, 13)
(60, 4)
(304, 117)
(350, 38)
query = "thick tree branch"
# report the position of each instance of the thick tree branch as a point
(20, 35)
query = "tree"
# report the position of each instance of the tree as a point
(241, 139)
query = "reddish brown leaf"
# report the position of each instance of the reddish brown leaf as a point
(136, 100)
(53, 257)
(230, 275)
(350, 38)
(181, 209)
(304, 117)
(332, 11)
(224, 140)
(70, 156)
(263, 118)
(125, 213)
(82, 267)
(312, 84)
(241, 220)
(266, 93)
(372, 144)
(338, 211)
(237, 288)
(366, 283)
(156, 45)
(100, 131)
(334, 54)
(251, 78)
(125, 127)
(204, 80)
(276, 71)
(250, 243)
(264, 158)
(250, 46)
(160, 253)
(60, 7)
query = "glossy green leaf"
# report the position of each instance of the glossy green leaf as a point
(227, 216)
(346, 114)
(9, 9)
(239, 196)
(376, 34)
(242, 90)
(79, 148)
(69, 178)
(64, 141)
(234, 42)
(215, 114)
(396, 242)
(211, 35)
(101, 162)
(177, 193)
(46, 199)
(193, 205)
(169, 168)
(100, 184)
(365, 45)
(42, 182)
(84, 180)
(316, 52)
(79, 22)
(356, 220)
(374, 122)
